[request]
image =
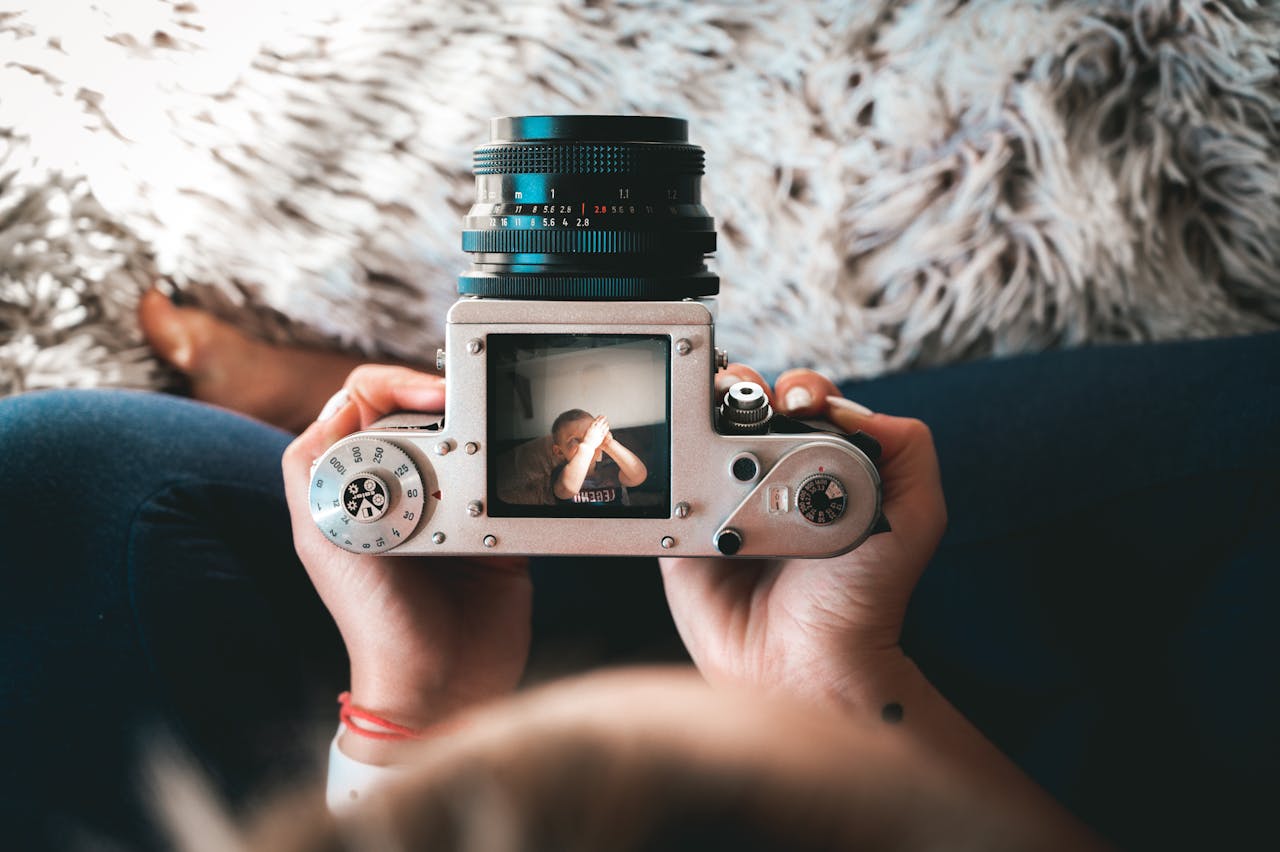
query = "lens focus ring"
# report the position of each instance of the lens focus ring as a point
(588, 158)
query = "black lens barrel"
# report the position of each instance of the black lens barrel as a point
(588, 207)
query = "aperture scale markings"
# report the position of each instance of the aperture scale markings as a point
(567, 216)
(630, 208)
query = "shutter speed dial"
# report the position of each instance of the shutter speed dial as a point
(367, 495)
(821, 499)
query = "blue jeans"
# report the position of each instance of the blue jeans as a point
(1100, 605)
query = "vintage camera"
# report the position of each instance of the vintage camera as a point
(581, 415)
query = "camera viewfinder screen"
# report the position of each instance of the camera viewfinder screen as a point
(579, 426)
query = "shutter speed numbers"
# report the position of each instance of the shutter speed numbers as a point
(367, 495)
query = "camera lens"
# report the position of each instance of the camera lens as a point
(589, 207)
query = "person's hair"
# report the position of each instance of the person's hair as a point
(567, 417)
(612, 764)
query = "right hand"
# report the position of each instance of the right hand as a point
(426, 636)
(597, 432)
(817, 628)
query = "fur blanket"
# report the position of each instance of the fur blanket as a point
(896, 184)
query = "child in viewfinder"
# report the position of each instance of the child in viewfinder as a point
(593, 467)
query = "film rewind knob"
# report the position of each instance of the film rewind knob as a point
(745, 410)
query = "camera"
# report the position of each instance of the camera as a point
(579, 361)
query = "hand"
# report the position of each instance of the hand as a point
(808, 626)
(596, 433)
(426, 636)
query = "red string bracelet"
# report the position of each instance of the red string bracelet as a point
(391, 731)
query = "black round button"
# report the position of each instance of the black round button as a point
(729, 542)
(745, 469)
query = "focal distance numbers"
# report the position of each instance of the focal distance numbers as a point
(567, 216)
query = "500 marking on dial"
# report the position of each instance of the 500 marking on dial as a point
(366, 495)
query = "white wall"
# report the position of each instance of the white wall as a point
(627, 383)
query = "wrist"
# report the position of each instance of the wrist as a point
(425, 698)
(878, 680)
(374, 752)
(379, 726)
(413, 703)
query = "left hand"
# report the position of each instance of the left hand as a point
(816, 627)
(426, 636)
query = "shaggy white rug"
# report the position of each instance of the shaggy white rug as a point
(895, 184)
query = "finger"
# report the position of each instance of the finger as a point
(803, 392)
(379, 389)
(729, 376)
(911, 478)
(370, 392)
(297, 460)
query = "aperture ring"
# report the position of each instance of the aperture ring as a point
(588, 158)
(530, 241)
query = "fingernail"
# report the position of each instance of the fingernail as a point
(848, 405)
(724, 381)
(797, 397)
(334, 405)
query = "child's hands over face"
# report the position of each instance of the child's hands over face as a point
(814, 626)
(425, 636)
(597, 432)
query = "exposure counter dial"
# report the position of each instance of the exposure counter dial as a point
(821, 499)
(367, 495)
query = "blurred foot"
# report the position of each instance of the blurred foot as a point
(281, 385)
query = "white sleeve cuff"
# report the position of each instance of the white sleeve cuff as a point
(351, 781)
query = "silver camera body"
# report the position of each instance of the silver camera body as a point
(580, 413)
(727, 488)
